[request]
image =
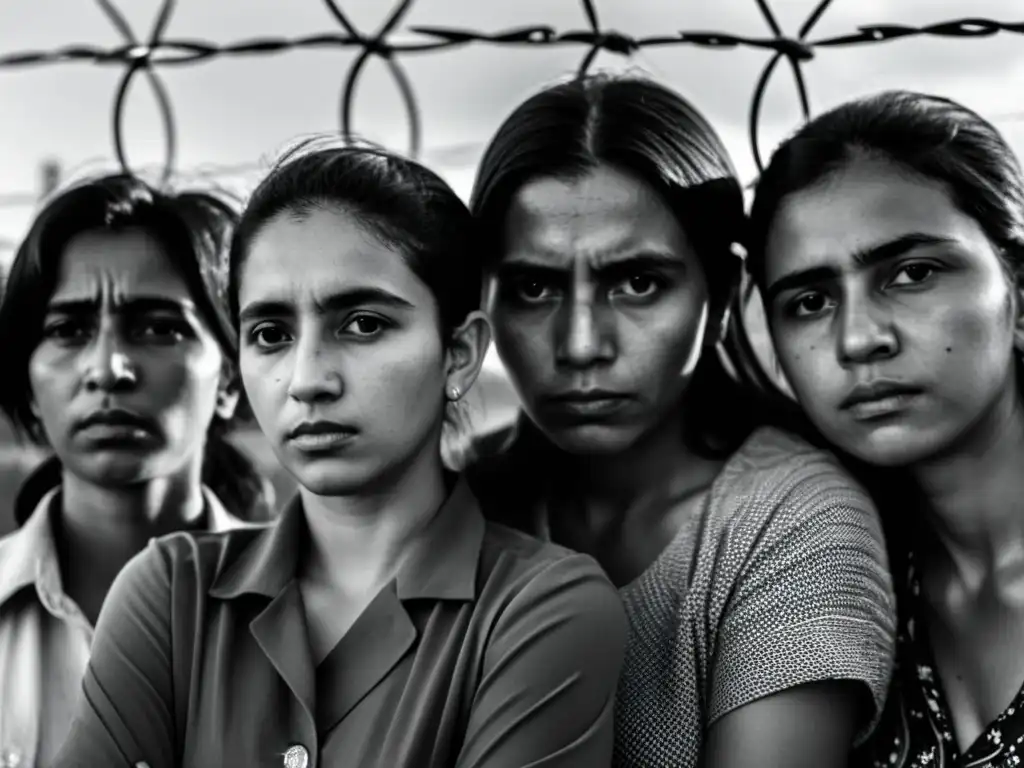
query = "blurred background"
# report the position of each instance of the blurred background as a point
(232, 115)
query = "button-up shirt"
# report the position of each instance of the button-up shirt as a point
(45, 637)
(489, 649)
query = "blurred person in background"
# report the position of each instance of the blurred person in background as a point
(119, 358)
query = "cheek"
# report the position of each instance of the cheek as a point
(399, 381)
(524, 346)
(51, 379)
(809, 365)
(665, 344)
(195, 372)
(265, 381)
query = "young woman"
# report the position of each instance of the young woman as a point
(752, 568)
(888, 239)
(381, 621)
(120, 359)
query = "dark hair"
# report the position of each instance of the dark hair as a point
(929, 136)
(194, 227)
(400, 202)
(653, 133)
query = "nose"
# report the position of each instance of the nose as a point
(585, 335)
(866, 333)
(313, 380)
(108, 366)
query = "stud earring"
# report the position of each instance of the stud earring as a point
(454, 393)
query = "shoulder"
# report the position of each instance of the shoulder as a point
(778, 494)
(195, 558)
(523, 572)
(776, 473)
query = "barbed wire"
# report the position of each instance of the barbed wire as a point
(145, 55)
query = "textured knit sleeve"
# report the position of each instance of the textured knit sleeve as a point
(809, 593)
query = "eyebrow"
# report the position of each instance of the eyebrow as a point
(133, 305)
(868, 257)
(518, 265)
(336, 302)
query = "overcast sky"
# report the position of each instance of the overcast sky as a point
(240, 110)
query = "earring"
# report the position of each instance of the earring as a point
(454, 393)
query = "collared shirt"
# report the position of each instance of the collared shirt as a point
(490, 649)
(45, 637)
(917, 729)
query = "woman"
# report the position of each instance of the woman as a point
(119, 359)
(888, 239)
(381, 621)
(752, 568)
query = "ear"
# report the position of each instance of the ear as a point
(465, 354)
(227, 399)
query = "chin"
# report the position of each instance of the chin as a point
(115, 470)
(332, 477)
(592, 439)
(891, 447)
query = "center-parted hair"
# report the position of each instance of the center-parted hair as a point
(403, 204)
(652, 133)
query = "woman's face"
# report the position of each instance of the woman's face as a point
(891, 313)
(127, 375)
(599, 306)
(341, 353)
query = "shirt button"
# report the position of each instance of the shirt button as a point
(297, 756)
(10, 758)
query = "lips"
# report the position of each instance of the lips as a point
(586, 405)
(879, 398)
(321, 436)
(116, 424)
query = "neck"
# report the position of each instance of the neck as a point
(974, 496)
(358, 541)
(658, 464)
(102, 528)
(130, 514)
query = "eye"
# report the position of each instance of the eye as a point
(268, 336)
(639, 286)
(913, 273)
(808, 304)
(66, 330)
(533, 289)
(163, 329)
(366, 326)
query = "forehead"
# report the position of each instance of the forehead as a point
(124, 263)
(868, 202)
(600, 213)
(329, 249)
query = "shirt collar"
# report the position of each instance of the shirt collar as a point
(29, 554)
(442, 566)
(27, 551)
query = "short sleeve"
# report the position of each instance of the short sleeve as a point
(126, 713)
(550, 672)
(813, 599)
